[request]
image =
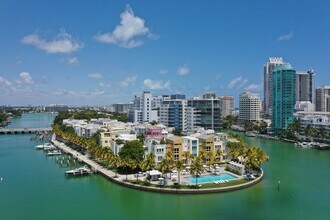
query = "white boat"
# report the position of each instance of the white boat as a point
(54, 153)
(250, 134)
(79, 171)
(39, 147)
(48, 146)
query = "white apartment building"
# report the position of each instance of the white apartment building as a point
(154, 146)
(249, 107)
(143, 109)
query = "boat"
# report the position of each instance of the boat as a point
(39, 147)
(79, 171)
(48, 146)
(54, 153)
(304, 145)
(250, 134)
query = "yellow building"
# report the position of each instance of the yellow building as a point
(106, 138)
(206, 142)
(174, 144)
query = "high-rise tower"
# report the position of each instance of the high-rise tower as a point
(305, 86)
(268, 78)
(283, 98)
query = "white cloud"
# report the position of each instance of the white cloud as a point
(287, 36)
(254, 87)
(4, 82)
(127, 32)
(207, 88)
(24, 78)
(128, 81)
(95, 75)
(162, 71)
(72, 61)
(242, 83)
(234, 82)
(237, 83)
(153, 84)
(63, 43)
(183, 70)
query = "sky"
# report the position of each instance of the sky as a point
(104, 52)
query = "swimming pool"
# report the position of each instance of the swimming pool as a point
(209, 178)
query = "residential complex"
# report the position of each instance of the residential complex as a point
(227, 105)
(143, 110)
(305, 86)
(123, 107)
(209, 109)
(249, 107)
(268, 82)
(323, 99)
(283, 99)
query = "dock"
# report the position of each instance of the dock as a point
(83, 158)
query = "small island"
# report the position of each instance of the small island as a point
(157, 160)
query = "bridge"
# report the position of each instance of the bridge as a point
(25, 130)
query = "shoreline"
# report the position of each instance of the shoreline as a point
(111, 176)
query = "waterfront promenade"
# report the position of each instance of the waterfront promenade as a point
(95, 166)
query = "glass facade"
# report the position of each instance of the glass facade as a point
(284, 82)
(210, 112)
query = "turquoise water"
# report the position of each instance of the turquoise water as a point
(39, 120)
(35, 187)
(210, 179)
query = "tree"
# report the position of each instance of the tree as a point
(163, 166)
(322, 132)
(176, 132)
(127, 164)
(218, 154)
(148, 162)
(248, 126)
(179, 166)
(169, 156)
(132, 150)
(196, 168)
(186, 155)
(114, 163)
(308, 130)
(202, 155)
(210, 158)
(141, 138)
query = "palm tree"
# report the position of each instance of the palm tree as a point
(169, 156)
(163, 166)
(186, 155)
(136, 165)
(210, 159)
(179, 166)
(202, 155)
(218, 154)
(196, 168)
(114, 163)
(149, 162)
(322, 132)
(127, 164)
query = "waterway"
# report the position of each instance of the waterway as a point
(34, 187)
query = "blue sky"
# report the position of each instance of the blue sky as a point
(103, 52)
